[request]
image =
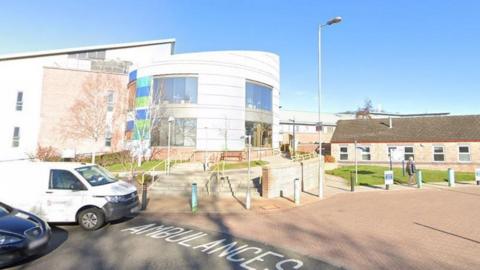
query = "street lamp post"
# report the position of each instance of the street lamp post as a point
(249, 139)
(320, 176)
(170, 121)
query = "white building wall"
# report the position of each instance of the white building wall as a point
(221, 92)
(26, 74)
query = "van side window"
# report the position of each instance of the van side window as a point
(61, 179)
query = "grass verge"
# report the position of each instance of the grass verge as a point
(373, 175)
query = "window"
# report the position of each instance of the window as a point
(96, 176)
(343, 153)
(438, 153)
(61, 179)
(261, 133)
(95, 55)
(19, 105)
(390, 150)
(464, 153)
(183, 132)
(16, 137)
(110, 101)
(108, 141)
(408, 152)
(258, 96)
(365, 153)
(175, 90)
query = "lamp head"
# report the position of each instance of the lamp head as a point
(171, 119)
(334, 20)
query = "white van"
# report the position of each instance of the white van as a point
(67, 192)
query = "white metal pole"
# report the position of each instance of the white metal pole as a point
(168, 149)
(249, 145)
(320, 177)
(356, 164)
(206, 146)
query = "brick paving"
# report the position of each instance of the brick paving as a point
(432, 228)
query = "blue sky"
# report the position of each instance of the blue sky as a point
(407, 56)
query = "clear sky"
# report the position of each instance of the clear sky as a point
(407, 56)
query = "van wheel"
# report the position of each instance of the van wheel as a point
(91, 219)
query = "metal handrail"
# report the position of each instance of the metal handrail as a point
(303, 157)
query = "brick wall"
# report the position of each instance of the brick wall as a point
(423, 153)
(61, 89)
(278, 179)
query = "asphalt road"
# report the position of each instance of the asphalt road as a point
(146, 243)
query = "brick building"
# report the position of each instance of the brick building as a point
(437, 142)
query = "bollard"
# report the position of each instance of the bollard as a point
(388, 178)
(194, 198)
(477, 176)
(248, 199)
(451, 177)
(296, 191)
(144, 196)
(352, 183)
(419, 179)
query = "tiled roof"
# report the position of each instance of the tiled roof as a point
(462, 128)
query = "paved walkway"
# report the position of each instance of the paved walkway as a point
(432, 228)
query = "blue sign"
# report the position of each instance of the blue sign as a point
(388, 176)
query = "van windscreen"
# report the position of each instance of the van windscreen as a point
(95, 175)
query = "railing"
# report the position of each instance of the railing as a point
(303, 157)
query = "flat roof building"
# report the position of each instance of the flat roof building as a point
(39, 90)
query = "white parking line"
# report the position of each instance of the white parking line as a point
(231, 251)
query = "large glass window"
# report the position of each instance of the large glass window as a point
(438, 153)
(261, 133)
(183, 132)
(177, 90)
(464, 153)
(258, 96)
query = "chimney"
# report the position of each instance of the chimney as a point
(390, 123)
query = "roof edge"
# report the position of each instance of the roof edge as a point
(86, 48)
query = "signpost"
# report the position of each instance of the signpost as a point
(388, 177)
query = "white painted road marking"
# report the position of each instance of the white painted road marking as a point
(230, 251)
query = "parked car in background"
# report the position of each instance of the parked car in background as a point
(67, 192)
(22, 234)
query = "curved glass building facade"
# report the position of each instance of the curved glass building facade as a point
(213, 99)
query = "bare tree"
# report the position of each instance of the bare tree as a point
(364, 112)
(89, 116)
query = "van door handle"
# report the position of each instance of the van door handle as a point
(49, 192)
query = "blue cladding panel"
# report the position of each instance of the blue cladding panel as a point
(132, 76)
(130, 125)
(143, 91)
(141, 114)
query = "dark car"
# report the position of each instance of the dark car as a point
(21, 235)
